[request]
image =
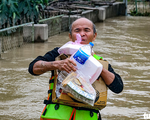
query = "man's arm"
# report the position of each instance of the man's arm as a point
(47, 62)
(107, 76)
(112, 79)
(41, 67)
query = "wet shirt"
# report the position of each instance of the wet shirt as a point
(116, 86)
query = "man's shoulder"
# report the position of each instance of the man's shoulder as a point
(54, 50)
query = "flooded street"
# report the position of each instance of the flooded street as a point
(123, 41)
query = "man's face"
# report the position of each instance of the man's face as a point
(85, 28)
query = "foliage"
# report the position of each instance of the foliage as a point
(134, 13)
(8, 11)
(15, 10)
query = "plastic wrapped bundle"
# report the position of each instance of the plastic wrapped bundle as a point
(78, 88)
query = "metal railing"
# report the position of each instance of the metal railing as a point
(55, 25)
(138, 6)
(12, 37)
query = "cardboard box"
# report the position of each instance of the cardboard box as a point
(101, 94)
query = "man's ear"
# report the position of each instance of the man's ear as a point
(95, 35)
(70, 36)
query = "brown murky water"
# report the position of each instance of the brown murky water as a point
(123, 41)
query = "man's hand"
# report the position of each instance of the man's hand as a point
(67, 65)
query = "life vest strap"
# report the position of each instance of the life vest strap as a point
(82, 108)
(50, 91)
(73, 114)
(51, 81)
(48, 102)
(77, 108)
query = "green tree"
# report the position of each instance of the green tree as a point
(8, 11)
(12, 11)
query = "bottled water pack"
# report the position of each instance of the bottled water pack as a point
(86, 63)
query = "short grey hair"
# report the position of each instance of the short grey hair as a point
(70, 28)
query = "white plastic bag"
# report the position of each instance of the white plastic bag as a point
(71, 47)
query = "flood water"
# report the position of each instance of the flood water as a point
(123, 41)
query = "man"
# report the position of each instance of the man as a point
(87, 30)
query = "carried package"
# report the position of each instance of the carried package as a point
(78, 88)
(62, 97)
(87, 71)
(83, 88)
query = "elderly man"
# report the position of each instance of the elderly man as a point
(45, 63)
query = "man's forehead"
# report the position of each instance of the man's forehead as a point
(82, 23)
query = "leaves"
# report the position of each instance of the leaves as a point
(13, 10)
(9, 10)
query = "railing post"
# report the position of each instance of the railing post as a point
(69, 17)
(136, 6)
(32, 32)
(0, 47)
(126, 5)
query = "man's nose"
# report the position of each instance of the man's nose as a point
(82, 33)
